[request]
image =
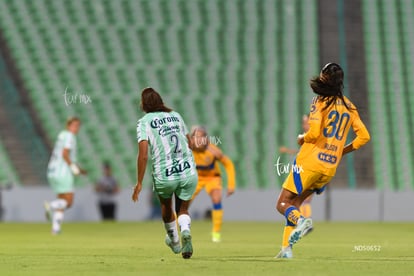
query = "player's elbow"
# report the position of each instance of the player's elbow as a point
(365, 138)
(360, 141)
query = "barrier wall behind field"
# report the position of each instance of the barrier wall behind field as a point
(26, 205)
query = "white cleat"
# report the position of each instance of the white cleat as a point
(175, 247)
(303, 227)
(285, 253)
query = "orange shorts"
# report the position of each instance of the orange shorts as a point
(306, 180)
(209, 183)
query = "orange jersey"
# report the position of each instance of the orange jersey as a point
(326, 138)
(207, 163)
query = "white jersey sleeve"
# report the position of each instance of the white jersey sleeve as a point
(69, 141)
(142, 134)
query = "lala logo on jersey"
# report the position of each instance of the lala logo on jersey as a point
(177, 168)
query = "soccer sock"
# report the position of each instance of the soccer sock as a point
(184, 221)
(292, 214)
(58, 204)
(286, 233)
(306, 210)
(217, 217)
(171, 228)
(57, 221)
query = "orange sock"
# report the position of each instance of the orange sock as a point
(286, 233)
(217, 218)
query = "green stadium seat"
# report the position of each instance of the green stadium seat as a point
(226, 64)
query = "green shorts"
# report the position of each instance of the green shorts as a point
(183, 188)
(61, 184)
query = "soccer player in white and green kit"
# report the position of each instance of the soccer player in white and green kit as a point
(61, 170)
(164, 132)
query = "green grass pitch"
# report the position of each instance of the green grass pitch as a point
(247, 248)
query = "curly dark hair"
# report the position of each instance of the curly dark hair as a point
(329, 85)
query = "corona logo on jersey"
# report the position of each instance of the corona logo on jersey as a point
(156, 123)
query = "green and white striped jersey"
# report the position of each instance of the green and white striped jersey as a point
(57, 165)
(171, 156)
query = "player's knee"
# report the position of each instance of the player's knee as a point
(280, 206)
(216, 196)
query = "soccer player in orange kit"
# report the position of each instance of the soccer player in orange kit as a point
(207, 156)
(331, 117)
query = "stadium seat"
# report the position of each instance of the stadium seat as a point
(390, 91)
(238, 67)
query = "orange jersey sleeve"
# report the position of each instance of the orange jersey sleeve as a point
(326, 138)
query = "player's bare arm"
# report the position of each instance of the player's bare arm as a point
(287, 150)
(74, 167)
(142, 160)
(190, 141)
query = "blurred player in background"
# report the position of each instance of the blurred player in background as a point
(107, 188)
(164, 132)
(207, 156)
(331, 117)
(60, 173)
(305, 208)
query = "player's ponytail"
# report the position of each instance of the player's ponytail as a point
(329, 85)
(151, 101)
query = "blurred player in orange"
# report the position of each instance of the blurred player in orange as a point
(207, 156)
(305, 208)
(331, 117)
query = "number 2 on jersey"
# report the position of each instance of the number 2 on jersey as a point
(337, 125)
(174, 139)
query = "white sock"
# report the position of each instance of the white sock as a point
(58, 204)
(57, 221)
(184, 221)
(171, 228)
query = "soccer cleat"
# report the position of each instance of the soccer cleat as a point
(216, 237)
(285, 253)
(187, 249)
(48, 211)
(308, 231)
(304, 224)
(175, 247)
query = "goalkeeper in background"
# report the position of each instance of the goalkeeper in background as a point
(61, 170)
(207, 156)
